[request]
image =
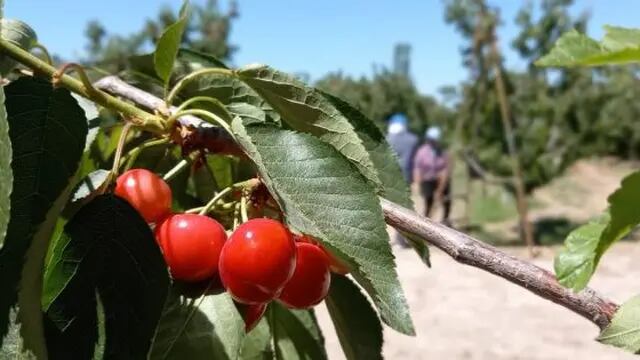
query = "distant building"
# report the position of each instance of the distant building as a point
(402, 59)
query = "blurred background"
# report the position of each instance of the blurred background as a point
(573, 133)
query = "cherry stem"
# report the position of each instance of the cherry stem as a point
(118, 155)
(236, 217)
(172, 119)
(133, 154)
(193, 76)
(215, 119)
(183, 164)
(243, 209)
(205, 210)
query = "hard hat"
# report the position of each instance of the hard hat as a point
(433, 133)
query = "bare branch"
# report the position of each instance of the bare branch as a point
(470, 251)
(459, 246)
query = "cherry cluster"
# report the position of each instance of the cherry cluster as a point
(261, 261)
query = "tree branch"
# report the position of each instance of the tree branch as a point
(459, 246)
(214, 139)
(467, 250)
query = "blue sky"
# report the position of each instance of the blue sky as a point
(315, 37)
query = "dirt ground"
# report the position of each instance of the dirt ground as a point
(461, 312)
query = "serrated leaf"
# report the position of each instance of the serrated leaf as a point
(106, 247)
(168, 45)
(625, 211)
(215, 330)
(230, 91)
(324, 196)
(222, 169)
(585, 246)
(296, 334)
(30, 314)
(47, 130)
(575, 263)
(393, 185)
(624, 329)
(6, 174)
(257, 343)
(619, 46)
(356, 323)
(305, 109)
(18, 33)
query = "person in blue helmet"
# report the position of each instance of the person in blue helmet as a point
(404, 143)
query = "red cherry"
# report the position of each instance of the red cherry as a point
(146, 192)
(336, 266)
(252, 315)
(191, 245)
(311, 279)
(257, 261)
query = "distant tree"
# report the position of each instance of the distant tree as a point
(207, 31)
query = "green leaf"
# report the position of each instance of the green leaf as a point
(296, 334)
(47, 130)
(198, 60)
(584, 246)
(574, 265)
(215, 329)
(257, 343)
(619, 46)
(624, 207)
(357, 324)
(306, 109)
(393, 185)
(169, 44)
(324, 196)
(624, 330)
(6, 174)
(231, 91)
(19, 34)
(106, 247)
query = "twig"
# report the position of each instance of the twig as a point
(213, 138)
(467, 250)
(459, 246)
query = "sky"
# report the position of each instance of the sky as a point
(315, 37)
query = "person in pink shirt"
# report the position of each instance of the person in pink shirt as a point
(432, 173)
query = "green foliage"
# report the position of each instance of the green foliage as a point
(296, 334)
(6, 177)
(105, 248)
(257, 343)
(306, 109)
(586, 245)
(624, 209)
(574, 265)
(169, 44)
(47, 131)
(357, 324)
(624, 330)
(209, 328)
(619, 46)
(206, 31)
(351, 227)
